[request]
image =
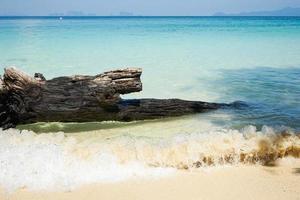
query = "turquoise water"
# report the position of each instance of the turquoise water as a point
(253, 60)
(222, 59)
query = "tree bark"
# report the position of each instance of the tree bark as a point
(25, 99)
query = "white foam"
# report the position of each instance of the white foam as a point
(51, 161)
(58, 161)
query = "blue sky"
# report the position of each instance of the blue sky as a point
(140, 7)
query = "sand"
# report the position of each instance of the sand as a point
(234, 182)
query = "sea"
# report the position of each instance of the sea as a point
(251, 60)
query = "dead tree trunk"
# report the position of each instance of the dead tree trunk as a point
(25, 99)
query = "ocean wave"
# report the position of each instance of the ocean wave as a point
(61, 161)
(218, 147)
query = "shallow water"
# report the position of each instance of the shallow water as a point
(248, 59)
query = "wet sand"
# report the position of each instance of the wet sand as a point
(238, 182)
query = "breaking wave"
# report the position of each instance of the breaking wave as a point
(57, 160)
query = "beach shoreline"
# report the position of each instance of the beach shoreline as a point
(226, 182)
(79, 149)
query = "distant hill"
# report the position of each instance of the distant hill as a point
(72, 13)
(282, 12)
(123, 13)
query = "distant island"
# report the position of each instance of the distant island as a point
(72, 13)
(288, 11)
(81, 13)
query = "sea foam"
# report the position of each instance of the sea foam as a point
(55, 162)
(59, 161)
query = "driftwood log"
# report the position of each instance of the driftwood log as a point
(25, 99)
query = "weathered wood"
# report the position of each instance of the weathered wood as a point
(26, 99)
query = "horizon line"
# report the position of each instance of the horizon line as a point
(90, 16)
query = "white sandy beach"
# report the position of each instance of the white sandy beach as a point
(235, 182)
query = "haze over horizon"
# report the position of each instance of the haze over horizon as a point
(142, 7)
